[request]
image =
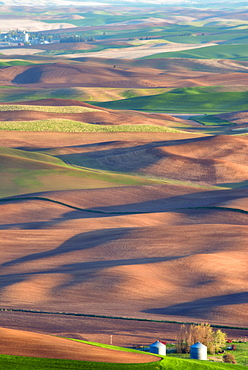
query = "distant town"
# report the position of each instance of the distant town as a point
(23, 38)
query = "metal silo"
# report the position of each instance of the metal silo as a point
(158, 348)
(198, 351)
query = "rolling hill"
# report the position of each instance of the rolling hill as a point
(185, 100)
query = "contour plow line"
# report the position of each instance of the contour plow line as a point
(229, 209)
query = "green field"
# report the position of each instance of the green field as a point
(185, 100)
(209, 120)
(12, 63)
(13, 94)
(234, 52)
(27, 172)
(28, 363)
(19, 94)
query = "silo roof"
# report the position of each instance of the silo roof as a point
(157, 344)
(198, 345)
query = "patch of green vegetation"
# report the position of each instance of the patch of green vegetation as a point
(46, 108)
(11, 63)
(239, 130)
(235, 185)
(234, 52)
(9, 87)
(195, 32)
(185, 100)
(37, 94)
(209, 120)
(100, 19)
(24, 171)
(130, 94)
(241, 353)
(65, 52)
(95, 49)
(34, 156)
(63, 125)
(29, 363)
(75, 93)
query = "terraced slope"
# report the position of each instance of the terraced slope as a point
(210, 160)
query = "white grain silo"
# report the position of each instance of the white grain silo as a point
(158, 348)
(25, 36)
(198, 351)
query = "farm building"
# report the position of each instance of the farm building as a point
(198, 351)
(158, 348)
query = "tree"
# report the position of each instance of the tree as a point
(202, 333)
(219, 341)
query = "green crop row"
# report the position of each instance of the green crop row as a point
(63, 125)
(46, 108)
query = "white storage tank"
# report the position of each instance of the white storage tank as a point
(158, 348)
(198, 351)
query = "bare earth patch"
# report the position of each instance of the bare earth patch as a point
(31, 25)
(141, 51)
(24, 343)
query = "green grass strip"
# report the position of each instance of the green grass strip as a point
(209, 120)
(229, 209)
(233, 52)
(8, 362)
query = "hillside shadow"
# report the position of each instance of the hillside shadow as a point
(183, 203)
(82, 271)
(88, 240)
(176, 203)
(199, 307)
(106, 143)
(30, 76)
(122, 159)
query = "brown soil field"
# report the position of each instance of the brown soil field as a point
(24, 343)
(212, 160)
(45, 140)
(56, 103)
(92, 72)
(147, 247)
(173, 247)
(64, 46)
(239, 118)
(144, 50)
(126, 333)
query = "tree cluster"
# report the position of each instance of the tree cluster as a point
(76, 38)
(203, 333)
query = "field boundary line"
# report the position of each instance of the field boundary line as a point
(2, 200)
(116, 317)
